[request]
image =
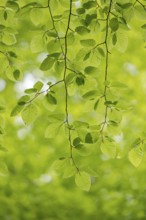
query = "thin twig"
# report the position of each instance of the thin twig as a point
(106, 67)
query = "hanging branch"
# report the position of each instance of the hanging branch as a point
(54, 27)
(106, 67)
(65, 85)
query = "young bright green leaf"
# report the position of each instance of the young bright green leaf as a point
(59, 164)
(140, 12)
(83, 181)
(30, 91)
(58, 67)
(16, 110)
(88, 42)
(8, 38)
(35, 16)
(90, 95)
(37, 44)
(136, 155)
(29, 114)
(69, 168)
(23, 100)
(51, 99)
(86, 57)
(47, 63)
(52, 130)
(91, 70)
(83, 150)
(108, 148)
(38, 85)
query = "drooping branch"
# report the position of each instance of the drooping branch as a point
(106, 66)
(65, 85)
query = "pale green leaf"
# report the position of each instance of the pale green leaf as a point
(29, 114)
(52, 130)
(8, 38)
(83, 181)
(136, 155)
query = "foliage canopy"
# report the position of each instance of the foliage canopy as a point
(79, 99)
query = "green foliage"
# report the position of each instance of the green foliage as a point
(71, 50)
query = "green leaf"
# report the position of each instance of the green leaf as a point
(90, 95)
(59, 164)
(69, 168)
(89, 4)
(56, 117)
(52, 130)
(136, 142)
(88, 138)
(127, 5)
(80, 81)
(53, 46)
(136, 155)
(8, 38)
(101, 51)
(96, 104)
(83, 181)
(5, 15)
(91, 70)
(47, 64)
(122, 41)
(76, 141)
(114, 24)
(88, 42)
(35, 15)
(108, 148)
(17, 74)
(37, 44)
(118, 85)
(29, 114)
(51, 99)
(38, 85)
(83, 149)
(12, 5)
(143, 26)
(114, 39)
(86, 57)
(23, 100)
(58, 67)
(140, 12)
(30, 91)
(80, 10)
(82, 30)
(16, 110)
